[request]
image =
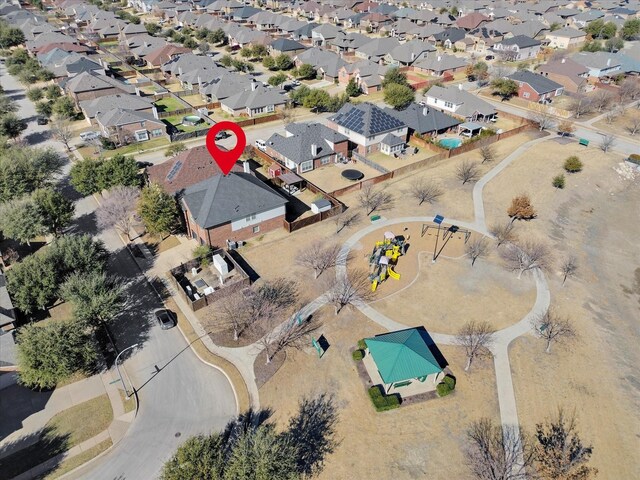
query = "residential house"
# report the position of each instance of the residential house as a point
(566, 38)
(367, 75)
(158, 57)
(471, 21)
(535, 87)
(325, 62)
(323, 34)
(125, 126)
(255, 101)
(89, 85)
(234, 207)
(408, 53)
(225, 86)
(440, 64)
(307, 146)
(185, 169)
(570, 74)
(348, 42)
(373, 21)
(448, 37)
(377, 48)
(424, 120)
(134, 103)
(518, 48)
(366, 125)
(285, 46)
(460, 103)
(68, 64)
(600, 64)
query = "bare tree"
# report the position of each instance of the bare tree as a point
(629, 90)
(502, 232)
(346, 219)
(634, 125)
(117, 209)
(580, 106)
(293, 333)
(233, 311)
(607, 142)
(566, 128)
(61, 131)
(559, 451)
(498, 452)
(526, 256)
(568, 268)
(476, 248)
(601, 99)
(521, 208)
(487, 153)
(349, 289)
(476, 338)
(553, 327)
(319, 256)
(542, 118)
(425, 191)
(372, 199)
(613, 112)
(288, 115)
(467, 171)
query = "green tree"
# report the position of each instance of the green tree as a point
(96, 298)
(76, 253)
(35, 94)
(398, 96)
(630, 29)
(613, 44)
(7, 105)
(226, 61)
(158, 210)
(32, 282)
(152, 28)
(51, 353)
(118, 170)
(218, 37)
(203, 47)
(23, 170)
(174, 149)
(21, 220)
(394, 75)
(283, 62)
(278, 79)
(353, 90)
(44, 108)
(260, 51)
(505, 87)
(592, 46)
(202, 33)
(56, 210)
(12, 126)
(190, 43)
(52, 92)
(599, 29)
(306, 71)
(555, 26)
(317, 99)
(269, 63)
(11, 37)
(202, 456)
(64, 107)
(84, 176)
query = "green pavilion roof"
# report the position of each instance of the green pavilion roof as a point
(402, 355)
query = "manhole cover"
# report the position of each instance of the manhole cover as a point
(178, 434)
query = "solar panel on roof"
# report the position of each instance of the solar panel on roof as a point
(174, 170)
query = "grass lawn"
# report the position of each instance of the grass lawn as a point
(89, 151)
(176, 121)
(168, 104)
(65, 430)
(129, 404)
(159, 245)
(75, 462)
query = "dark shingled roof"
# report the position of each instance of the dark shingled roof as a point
(366, 119)
(423, 119)
(222, 199)
(539, 83)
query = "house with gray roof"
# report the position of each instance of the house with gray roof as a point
(424, 120)
(459, 102)
(377, 48)
(134, 103)
(408, 53)
(566, 38)
(600, 64)
(325, 62)
(254, 101)
(323, 34)
(124, 127)
(90, 85)
(225, 86)
(365, 125)
(286, 46)
(535, 87)
(517, 48)
(307, 146)
(233, 207)
(568, 73)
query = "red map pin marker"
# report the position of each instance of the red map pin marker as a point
(226, 159)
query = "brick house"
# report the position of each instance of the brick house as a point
(536, 87)
(185, 169)
(307, 146)
(88, 86)
(571, 75)
(124, 127)
(231, 207)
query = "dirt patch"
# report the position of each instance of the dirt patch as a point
(263, 370)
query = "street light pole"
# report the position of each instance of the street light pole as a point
(120, 374)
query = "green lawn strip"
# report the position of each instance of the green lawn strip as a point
(89, 151)
(130, 404)
(74, 462)
(65, 430)
(176, 121)
(168, 104)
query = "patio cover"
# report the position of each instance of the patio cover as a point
(290, 178)
(470, 126)
(402, 355)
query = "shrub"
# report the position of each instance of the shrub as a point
(446, 386)
(558, 181)
(634, 158)
(357, 355)
(202, 252)
(383, 402)
(572, 164)
(361, 344)
(107, 143)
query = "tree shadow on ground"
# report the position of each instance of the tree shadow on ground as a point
(35, 138)
(85, 223)
(66, 189)
(41, 446)
(18, 403)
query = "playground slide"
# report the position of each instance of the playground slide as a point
(392, 274)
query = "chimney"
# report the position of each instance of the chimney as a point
(314, 149)
(459, 86)
(563, 60)
(439, 58)
(254, 85)
(608, 62)
(413, 56)
(245, 167)
(425, 111)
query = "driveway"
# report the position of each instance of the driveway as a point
(183, 396)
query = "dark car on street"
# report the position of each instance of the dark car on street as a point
(222, 135)
(165, 318)
(40, 120)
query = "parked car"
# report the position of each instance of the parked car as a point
(89, 136)
(222, 135)
(40, 120)
(165, 318)
(489, 57)
(296, 83)
(142, 164)
(261, 144)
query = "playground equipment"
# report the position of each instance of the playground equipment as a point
(384, 255)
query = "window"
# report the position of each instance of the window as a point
(142, 124)
(525, 94)
(250, 218)
(270, 108)
(142, 135)
(324, 161)
(256, 229)
(306, 166)
(448, 104)
(156, 132)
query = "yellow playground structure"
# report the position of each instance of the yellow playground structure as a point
(384, 257)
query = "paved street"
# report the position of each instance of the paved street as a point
(185, 396)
